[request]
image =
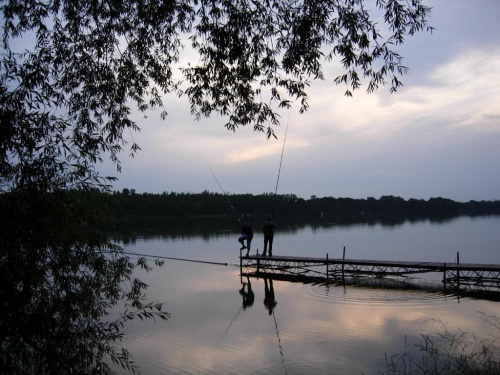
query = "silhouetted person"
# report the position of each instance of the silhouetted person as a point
(269, 300)
(246, 234)
(268, 229)
(248, 295)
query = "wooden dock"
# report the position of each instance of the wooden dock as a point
(459, 276)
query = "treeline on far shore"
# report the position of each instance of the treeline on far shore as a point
(128, 202)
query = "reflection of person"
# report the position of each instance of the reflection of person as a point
(248, 295)
(246, 234)
(268, 230)
(269, 300)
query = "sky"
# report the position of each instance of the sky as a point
(438, 136)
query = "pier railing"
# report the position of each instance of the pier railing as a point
(470, 276)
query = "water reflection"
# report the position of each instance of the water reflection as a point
(269, 299)
(269, 303)
(412, 290)
(128, 230)
(220, 320)
(221, 324)
(248, 294)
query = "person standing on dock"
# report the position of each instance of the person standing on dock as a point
(268, 230)
(246, 234)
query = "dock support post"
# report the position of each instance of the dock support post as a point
(444, 277)
(327, 269)
(241, 268)
(343, 259)
(458, 271)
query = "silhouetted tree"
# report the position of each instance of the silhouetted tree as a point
(71, 74)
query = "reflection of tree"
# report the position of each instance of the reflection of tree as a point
(207, 215)
(248, 294)
(269, 299)
(59, 278)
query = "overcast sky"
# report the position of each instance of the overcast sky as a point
(438, 136)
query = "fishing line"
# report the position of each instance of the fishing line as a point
(170, 258)
(281, 161)
(225, 195)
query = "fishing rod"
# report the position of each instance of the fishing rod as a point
(225, 195)
(281, 161)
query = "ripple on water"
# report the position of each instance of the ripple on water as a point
(381, 291)
(288, 367)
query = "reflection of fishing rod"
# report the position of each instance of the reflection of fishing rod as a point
(279, 344)
(227, 198)
(229, 326)
(279, 170)
(249, 290)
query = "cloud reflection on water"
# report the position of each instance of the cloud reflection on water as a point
(313, 329)
(209, 332)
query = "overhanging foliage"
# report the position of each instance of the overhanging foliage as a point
(73, 73)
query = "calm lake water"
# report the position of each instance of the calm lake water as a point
(313, 329)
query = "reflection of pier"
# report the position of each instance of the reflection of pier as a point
(457, 276)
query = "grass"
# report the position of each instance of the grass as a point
(449, 353)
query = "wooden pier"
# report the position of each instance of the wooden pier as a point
(455, 276)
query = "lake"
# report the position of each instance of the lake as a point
(218, 327)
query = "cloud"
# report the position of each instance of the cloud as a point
(437, 136)
(459, 93)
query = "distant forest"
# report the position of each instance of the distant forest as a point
(128, 202)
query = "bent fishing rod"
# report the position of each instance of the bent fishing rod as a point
(225, 195)
(279, 169)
